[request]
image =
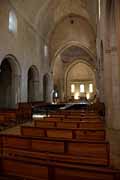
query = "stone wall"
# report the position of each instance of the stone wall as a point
(25, 45)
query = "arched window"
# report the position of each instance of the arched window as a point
(99, 8)
(45, 50)
(82, 88)
(91, 88)
(12, 22)
(72, 88)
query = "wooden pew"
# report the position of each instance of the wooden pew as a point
(70, 133)
(75, 112)
(20, 167)
(7, 118)
(23, 157)
(68, 124)
(24, 112)
(72, 151)
(2, 119)
(53, 118)
(72, 118)
(57, 115)
(38, 170)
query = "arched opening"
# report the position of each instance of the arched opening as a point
(66, 59)
(10, 77)
(46, 92)
(33, 84)
(80, 82)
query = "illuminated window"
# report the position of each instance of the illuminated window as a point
(82, 88)
(91, 88)
(72, 88)
(76, 96)
(99, 8)
(88, 96)
(45, 50)
(12, 22)
(56, 94)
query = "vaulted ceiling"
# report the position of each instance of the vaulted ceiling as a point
(62, 23)
(36, 11)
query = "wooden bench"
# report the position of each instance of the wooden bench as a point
(40, 159)
(36, 169)
(24, 112)
(7, 118)
(70, 133)
(55, 171)
(74, 112)
(72, 118)
(68, 124)
(74, 151)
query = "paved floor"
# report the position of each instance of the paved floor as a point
(16, 129)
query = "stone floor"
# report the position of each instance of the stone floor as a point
(16, 129)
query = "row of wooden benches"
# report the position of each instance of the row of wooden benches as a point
(56, 148)
(23, 113)
(11, 117)
(53, 159)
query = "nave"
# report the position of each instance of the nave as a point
(59, 52)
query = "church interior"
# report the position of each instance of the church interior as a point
(59, 89)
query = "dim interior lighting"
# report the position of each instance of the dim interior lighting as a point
(72, 88)
(88, 96)
(76, 96)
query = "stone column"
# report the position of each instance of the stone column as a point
(108, 86)
(24, 87)
(36, 90)
(113, 129)
(15, 90)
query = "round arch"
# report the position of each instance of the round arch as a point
(10, 80)
(68, 45)
(33, 83)
(46, 86)
(70, 67)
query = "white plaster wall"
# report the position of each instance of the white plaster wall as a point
(26, 45)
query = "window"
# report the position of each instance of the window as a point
(82, 88)
(99, 9)
(91, 88)
(76, 96)
(12, 22)
(72, 88)
(45, 50)
(88, 96)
